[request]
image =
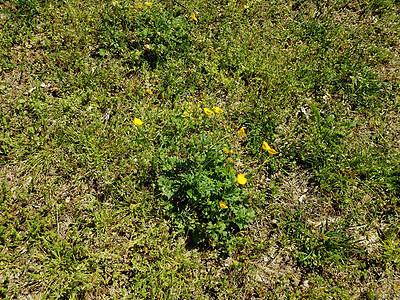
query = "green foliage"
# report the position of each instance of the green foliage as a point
(197, 188)
(260, 126)
(317, 248)
(393, 178)
(4, 287)
(93, 206)
(390, 251)
(144, 34)
(26, 10)
(323, 150)
(379, 7)
(355, 83)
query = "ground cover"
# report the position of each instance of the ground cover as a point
(199, 149)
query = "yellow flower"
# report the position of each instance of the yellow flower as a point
(137, 122)
(241, 179)
(217, 110)
(139, 6)
(148, 4)
(271, 151)
(148, 91)
(242, 132)
(226, 150)
(222, 204)
(193, 16)
(208, 112)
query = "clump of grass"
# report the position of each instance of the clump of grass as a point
(330, 244)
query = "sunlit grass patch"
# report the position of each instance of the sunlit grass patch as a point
(199, 149)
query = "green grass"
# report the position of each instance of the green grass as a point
(93, 206)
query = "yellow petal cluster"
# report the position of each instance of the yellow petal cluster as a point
(148, 4)
(226, 150)
(217, 110)
(149, 91)
(207, 111)
(271, 151)
(241, 179)
(242, 132)
(193, 16)
(137, 122)
(223, 205)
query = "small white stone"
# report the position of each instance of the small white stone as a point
(31, 90)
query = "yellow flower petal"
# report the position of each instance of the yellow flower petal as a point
(148, 91)
(193, 16)
(222, 204)
(241, 179)
(137, 122)
(271, 151)
(217, 110)
(242, 132)
(265, 146)
(148, 4)
(208, 112)
(139, 6)
(226, 150)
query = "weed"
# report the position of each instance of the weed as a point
(203, 198)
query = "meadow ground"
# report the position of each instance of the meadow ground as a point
(199, 149)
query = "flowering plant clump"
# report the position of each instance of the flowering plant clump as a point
(201, 194)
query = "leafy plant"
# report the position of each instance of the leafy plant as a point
(201, 195)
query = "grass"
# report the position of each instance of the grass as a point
(96, 205)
